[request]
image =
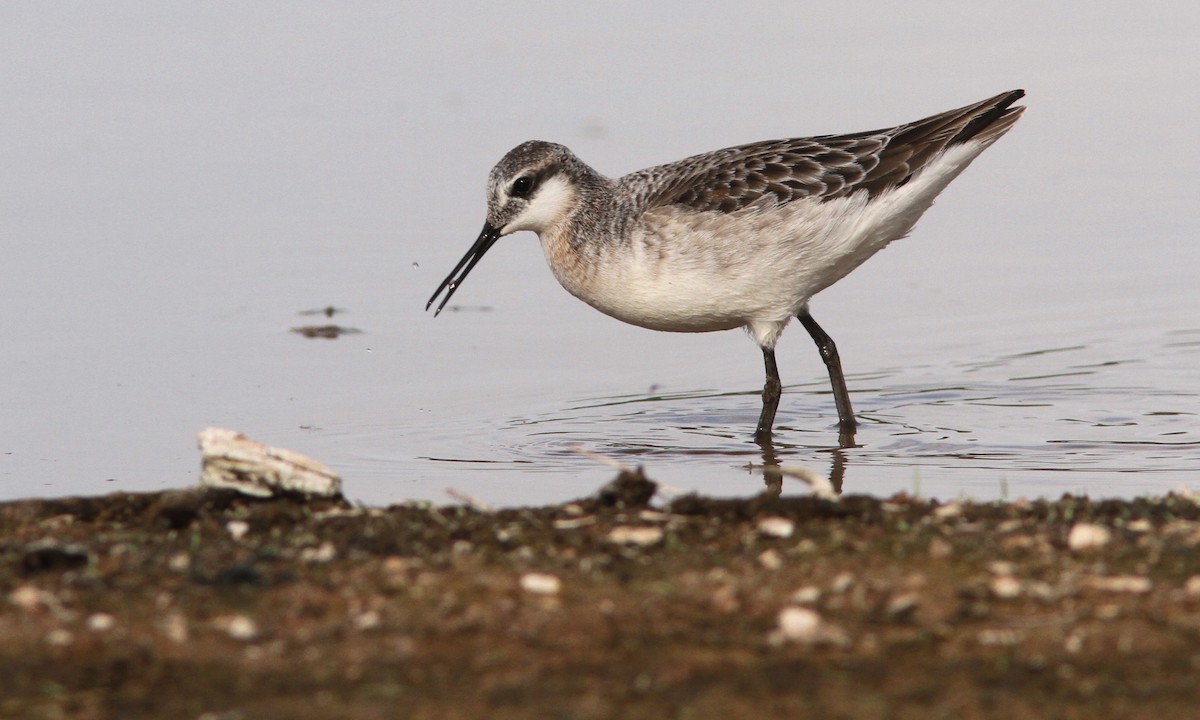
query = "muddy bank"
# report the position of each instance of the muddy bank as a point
(210, 604)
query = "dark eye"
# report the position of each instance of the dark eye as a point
(521, 186)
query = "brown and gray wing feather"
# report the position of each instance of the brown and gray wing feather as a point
(823, 167)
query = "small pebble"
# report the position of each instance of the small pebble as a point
(635, 535)
(26, 597)
(1074, 642)
(368, 620)
(175, 627)
(1005, 587)
(1191, 587)
(999, 636)
(902, 606)
(394, 565)
(59, 637)
(323, 553)
(101, 622)
(574, 523)
(1088, 536)
(1009, 526)
(800, 625)
(237, 529)
(807, 595)
(540, 584)
(770, 559)
(1122, 583)
(948, 510)
(1001, 567)
(238, 627)
(841, 582)
(779, 527)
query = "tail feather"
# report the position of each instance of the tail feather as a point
(912, 146)
(993, 122)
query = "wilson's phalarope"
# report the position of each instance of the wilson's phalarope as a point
(741, 237)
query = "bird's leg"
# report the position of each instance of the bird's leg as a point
(770, 398)
(846, 422)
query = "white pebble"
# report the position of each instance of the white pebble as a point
(1122, 583)
(59, 637)
(635, 535)
(1005, 587)
(1192, 586)
(175, 627)
(779, 527)
(807, 595)
(1002, 567)
(949, 510)
(323, 553)
(1074, 642)
(1088, 536)
(238, 627)
(26, 597)
(770, 559)
(237, 529)
(101, 622)
(903, 605)
(368, 620)
(841, 582)
(799, 625)
(540, 584)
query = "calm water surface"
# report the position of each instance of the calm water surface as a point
(179, 184)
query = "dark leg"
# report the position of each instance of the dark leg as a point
(770, 397)
(846, 422)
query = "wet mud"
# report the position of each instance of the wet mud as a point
(209, 604)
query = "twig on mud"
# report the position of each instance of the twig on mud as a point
(471, 502)
(602, 459)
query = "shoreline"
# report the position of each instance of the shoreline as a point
(208, 603)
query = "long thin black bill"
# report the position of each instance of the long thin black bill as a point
(487, 238)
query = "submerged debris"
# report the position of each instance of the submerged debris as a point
(327, 332)
(327, 311)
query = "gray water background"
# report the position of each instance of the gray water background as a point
(179, 181)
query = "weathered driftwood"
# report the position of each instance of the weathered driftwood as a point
(232, 460)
